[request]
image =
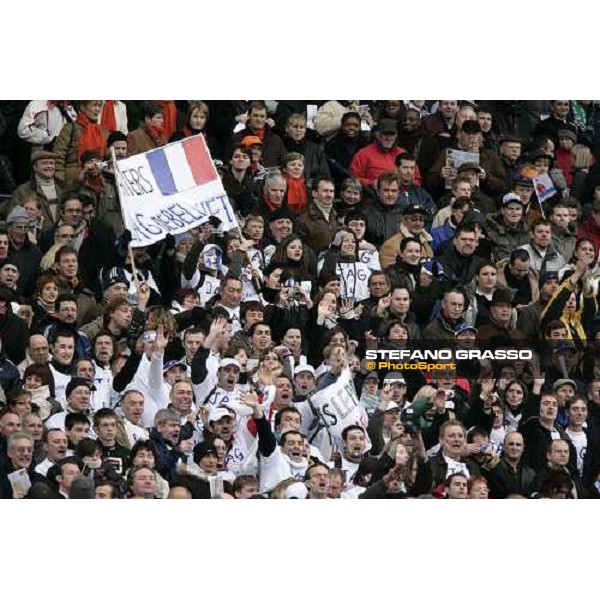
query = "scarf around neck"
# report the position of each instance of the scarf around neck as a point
(325, 209)
(91, 137)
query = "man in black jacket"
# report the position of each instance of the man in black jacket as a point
(20, 456)
(459, 261)
(510, 475)
(539, 431)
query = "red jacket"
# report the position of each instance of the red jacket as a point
(370, 162)
(590, 229)
(564, 161)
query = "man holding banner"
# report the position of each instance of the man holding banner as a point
(335, 402)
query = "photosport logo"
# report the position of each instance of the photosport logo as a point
(437, 360)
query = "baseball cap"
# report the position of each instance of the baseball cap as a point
(560, 382)
(391, 405)
(174, 363)
(387, 126)
(296, 491)
(218, 413)
(547, 276)
(511, 197)
(414, 209)
(251, 140)
(464, 327)
(564, 345)
(306, 368)
(227, 362)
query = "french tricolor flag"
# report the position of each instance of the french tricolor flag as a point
(181, 166)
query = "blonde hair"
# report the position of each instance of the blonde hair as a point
(582, 156)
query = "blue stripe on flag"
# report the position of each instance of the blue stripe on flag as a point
(161, 171)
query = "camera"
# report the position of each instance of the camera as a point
(149, 336)
(102, 165)
(296, 294)
(407, 420)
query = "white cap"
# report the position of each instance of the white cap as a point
(304, 368)
(218, 413)
(227, 362)
(391, 405)
(296, 490)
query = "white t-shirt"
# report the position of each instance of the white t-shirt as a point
(453, 466)
(579, 439)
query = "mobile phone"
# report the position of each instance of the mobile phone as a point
(149, 336)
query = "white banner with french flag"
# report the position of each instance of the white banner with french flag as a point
(170, 190)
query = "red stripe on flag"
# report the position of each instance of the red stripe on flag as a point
(198, 158)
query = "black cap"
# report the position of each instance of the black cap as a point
(523, 181)
(115, 136)
(203, 449)
(387, 126)
(414, 209)
(78, 382)
(510, 138)
(282, 213)
(90, 155)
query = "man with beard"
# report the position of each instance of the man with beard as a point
(412, 225)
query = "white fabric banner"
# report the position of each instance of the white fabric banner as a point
(170, 190)
(338, 407)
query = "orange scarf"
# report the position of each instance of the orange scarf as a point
(157, 134)
(91, 137)
(296, 194)
(107, 119)
(170, 115)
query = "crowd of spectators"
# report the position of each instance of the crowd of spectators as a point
(190, 368)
